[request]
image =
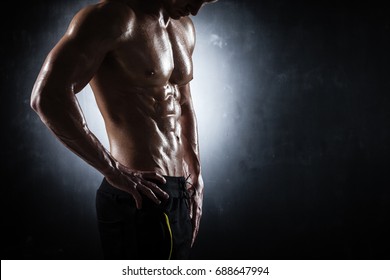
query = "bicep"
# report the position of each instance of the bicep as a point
(71, 64)
(77, 56)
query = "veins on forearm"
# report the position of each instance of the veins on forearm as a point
(63, 116)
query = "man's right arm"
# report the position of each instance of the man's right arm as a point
(94, 31)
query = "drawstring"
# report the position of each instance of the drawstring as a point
(186, 180)
(186, 190)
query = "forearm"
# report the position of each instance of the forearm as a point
(191, 146)
(61, 113)
(192, 160)
(64, 118)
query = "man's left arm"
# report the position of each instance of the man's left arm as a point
(189, 136)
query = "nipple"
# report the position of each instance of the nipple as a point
(149, 73)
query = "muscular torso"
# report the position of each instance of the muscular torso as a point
(137, 88)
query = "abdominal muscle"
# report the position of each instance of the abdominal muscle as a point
(143, 127)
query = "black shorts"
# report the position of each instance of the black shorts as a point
(154, 232)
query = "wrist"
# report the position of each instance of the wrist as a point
(111, 167)
(196, 184)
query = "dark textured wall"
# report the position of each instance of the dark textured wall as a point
(294, 116)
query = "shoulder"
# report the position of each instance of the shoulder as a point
(107, 18)
(187, 28)
(187, 24)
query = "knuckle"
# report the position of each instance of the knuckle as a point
(147, 190)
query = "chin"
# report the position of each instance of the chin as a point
(176, 17)
(174, 14)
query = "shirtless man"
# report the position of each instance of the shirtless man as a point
(136, 56)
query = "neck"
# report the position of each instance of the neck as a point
(151, 7)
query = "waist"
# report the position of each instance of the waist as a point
(174, 186)
(150, 157)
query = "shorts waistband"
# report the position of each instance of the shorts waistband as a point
(174, 186)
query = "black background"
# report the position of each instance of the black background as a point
(299, 165)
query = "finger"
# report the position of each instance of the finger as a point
(194, 229)
(138, 199)
(193, 240)
(197, 214)
(191, 210)
(154, 177)
(195, 232)
(157, 191)
(148, 192)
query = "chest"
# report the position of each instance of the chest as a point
(155, 55)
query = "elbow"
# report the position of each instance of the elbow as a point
(35, 102)
(41, 104)
(41, 95)
(35, 99)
